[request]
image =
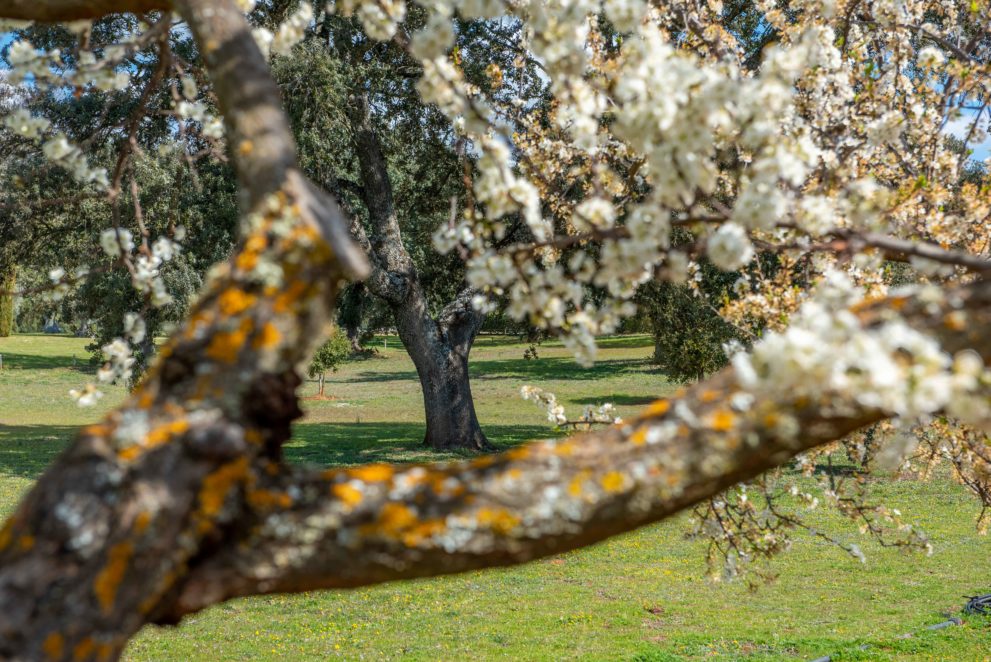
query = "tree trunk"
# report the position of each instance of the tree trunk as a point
(439, 346)
(321, 380)
(447, 402)
(8, 281)
(439, 350)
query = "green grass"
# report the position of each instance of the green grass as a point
(642, 596)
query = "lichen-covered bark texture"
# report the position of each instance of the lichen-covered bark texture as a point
(179, 499)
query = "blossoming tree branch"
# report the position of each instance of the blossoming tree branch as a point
(667, 142)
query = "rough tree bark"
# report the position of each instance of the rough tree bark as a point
(438, 346)
(179, 499)
(8, 283)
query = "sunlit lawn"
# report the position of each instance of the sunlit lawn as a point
(642, 596)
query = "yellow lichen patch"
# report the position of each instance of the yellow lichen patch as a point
(225, 345)
(577, 483)
(26, 542)
(613, 482)
(499, 520)
(348, 494)
(639, 436)
(373, 473)
(235, 301)
(722, 420)
(710, 395)
(54, 646)
(95, 430)
(771, 419)
(284, 301)
(269, 499)
(422, 531)
(247, 259)
(219, 483)
(393, 520)
(158, 436)
(253, 436)
(245, 147)
(196, 320)
(442, 485)
(109, 578)
(657, 408)
(518, 453)
(6, 533)
(566, 448)
(142, 521)
(482, 462)
(145, 399)
(267, 338)
(84, 649)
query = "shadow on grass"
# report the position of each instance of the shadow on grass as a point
(331, 444)
(16, 361)
(550, 368)
(26, 450)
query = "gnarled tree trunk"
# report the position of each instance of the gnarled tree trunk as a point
(8, 281)
(438, 346)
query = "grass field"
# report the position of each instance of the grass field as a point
(639, 597)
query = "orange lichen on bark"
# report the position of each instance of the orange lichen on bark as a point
(710, 395)
(26, 542)
(657, 408)
(499, 520)
(108, 580)
(156, 437)
(267, 337)
(639, 436)
(226, 345)
(283, 301)
(247, 259)
(393, 520)
(348, 494)
(269, 499)
(613, 482)
(142, 521)
(84, 649)
(6, 533)
(217, 485)
(518, 453)
(422, 531)
(576, 485)
(54, 646)
(373, 473)
(234, 301)
(722, 420)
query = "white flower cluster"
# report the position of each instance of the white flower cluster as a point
(591, 415)
(289, 33)
(784, 148)
(61, 152)
(119, 362)
(555, 411)
(892, 368)
(146, 270)
(379, 18)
